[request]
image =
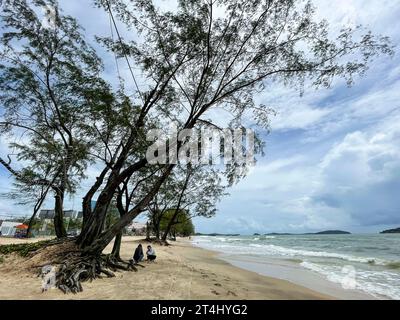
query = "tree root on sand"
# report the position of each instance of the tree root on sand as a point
(75, 270)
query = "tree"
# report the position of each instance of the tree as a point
(191, 61)
(195, 62)
(183, 225)
(192, 188)
(49, 77)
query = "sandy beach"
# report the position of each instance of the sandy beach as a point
(181, 272)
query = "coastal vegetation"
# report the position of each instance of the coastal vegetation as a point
(191, 61)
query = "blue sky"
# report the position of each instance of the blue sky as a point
(333, 156)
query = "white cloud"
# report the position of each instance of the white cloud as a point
(355, 184)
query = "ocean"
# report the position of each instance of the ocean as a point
(362, 263)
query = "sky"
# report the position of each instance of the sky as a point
(333, 155)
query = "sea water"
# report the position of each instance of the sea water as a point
(369, 263)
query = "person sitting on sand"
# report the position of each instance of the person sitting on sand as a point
(138, 255)
(151, 254)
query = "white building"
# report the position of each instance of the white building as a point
(8, 228)
(137, 225)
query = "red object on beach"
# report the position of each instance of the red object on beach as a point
(22, 227)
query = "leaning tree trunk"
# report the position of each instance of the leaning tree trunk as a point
(148, 231)
(101, 241)
(31, 221)
(88, 262)
(115, 253)
(33, 217)
(178, 208)
(59, 215)
(156, 225)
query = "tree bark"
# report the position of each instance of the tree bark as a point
(117, 246)
(122, 211)
(36, 209)
(101, 241)
(155, 221)
(93, 227)
(148, 231)
(59, 215)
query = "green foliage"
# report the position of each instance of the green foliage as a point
(22, 249)
(183, 225)
(74, 224)
(49, 83)
(112, 216)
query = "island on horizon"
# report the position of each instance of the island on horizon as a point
(310, 233)
(333, 232)
(396, 230)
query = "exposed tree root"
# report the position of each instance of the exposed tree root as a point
(72, 266)
(77, 269)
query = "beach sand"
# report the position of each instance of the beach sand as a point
(181, 272)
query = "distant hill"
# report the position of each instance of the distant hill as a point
(333, 232)
(314, 233)
(274, 234)
(217, 234)
(391, 231)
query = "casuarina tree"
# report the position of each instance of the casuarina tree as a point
(200, 56)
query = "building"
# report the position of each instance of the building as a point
(46, 214)
(8, 228)
(71, 214)
(137, 228)
(49, 214)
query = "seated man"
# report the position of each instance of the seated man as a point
(151, 254)
(138, 255)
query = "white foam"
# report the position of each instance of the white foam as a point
(270, 249)
(378, 284)
(371, 277)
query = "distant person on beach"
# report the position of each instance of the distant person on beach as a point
(138, 255)
(151, 254)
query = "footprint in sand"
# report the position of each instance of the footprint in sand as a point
(232, 293)
(217, 284)
(215, 292)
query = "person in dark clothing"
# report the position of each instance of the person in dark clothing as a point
(151, 254)
(138, 255)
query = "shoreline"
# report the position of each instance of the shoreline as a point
(292, 272)
(283, 270)
(182, 272)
